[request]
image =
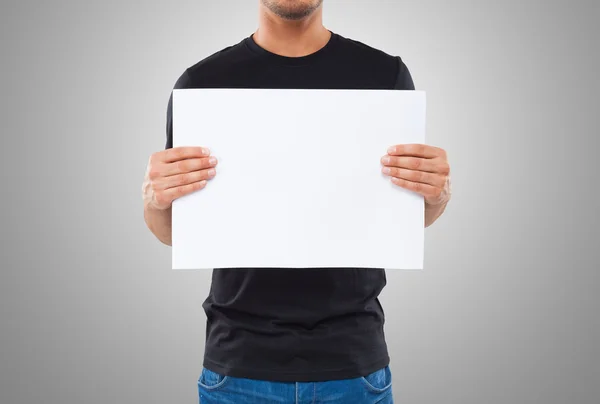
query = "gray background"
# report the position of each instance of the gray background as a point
(506, 309)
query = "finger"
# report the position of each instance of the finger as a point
(187, 166)
(415, 176)
(182, 153)
(415, 150)
(179, 180)
(169, 195)
(410, 163)
(425, 190)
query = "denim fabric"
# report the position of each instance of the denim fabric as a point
(375, 388)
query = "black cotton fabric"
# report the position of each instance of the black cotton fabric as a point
(299, 324)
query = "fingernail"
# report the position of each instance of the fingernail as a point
(211, 172)
(392, 150)
(206, 152)
(386, 170)
(212, 161)
(385, 160)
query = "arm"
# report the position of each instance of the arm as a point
(435, 208)
(157, 220)
(433, 212)
(422, 169)
(434, 183)
(171, 174)
(159, 223)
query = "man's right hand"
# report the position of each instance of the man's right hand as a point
(175, 172)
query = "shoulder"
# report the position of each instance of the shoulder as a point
(369, 54)
(214, 65)
(358, 47)
(375, 59)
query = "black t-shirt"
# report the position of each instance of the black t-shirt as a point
(298, 324)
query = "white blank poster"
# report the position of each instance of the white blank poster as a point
(299, 181)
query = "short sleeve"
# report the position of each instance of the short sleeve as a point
(182, 82)
(404, 80)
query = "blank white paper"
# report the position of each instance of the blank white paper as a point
(299, 181)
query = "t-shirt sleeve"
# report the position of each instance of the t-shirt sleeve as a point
(182, 82)
(404, 80)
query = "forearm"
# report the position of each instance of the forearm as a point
(433, 212)
(434, 209)
(159, 223)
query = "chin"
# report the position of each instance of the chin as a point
(292, 9)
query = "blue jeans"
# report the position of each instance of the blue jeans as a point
(375, 388)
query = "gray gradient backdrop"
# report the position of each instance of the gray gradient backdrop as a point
(506, 310)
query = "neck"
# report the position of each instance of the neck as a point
(289, 38)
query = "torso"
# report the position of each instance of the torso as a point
(296, 324)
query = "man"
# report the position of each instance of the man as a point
(289, 335)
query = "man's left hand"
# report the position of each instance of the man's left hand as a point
(420, 168)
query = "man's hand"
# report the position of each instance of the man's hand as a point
(175, 172)
(420, 168)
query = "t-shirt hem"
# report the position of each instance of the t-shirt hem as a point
(306, 376)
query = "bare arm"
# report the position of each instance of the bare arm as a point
(422, 169)
(171, 174)
(433, 212)
(435, 209)
(159, 223)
